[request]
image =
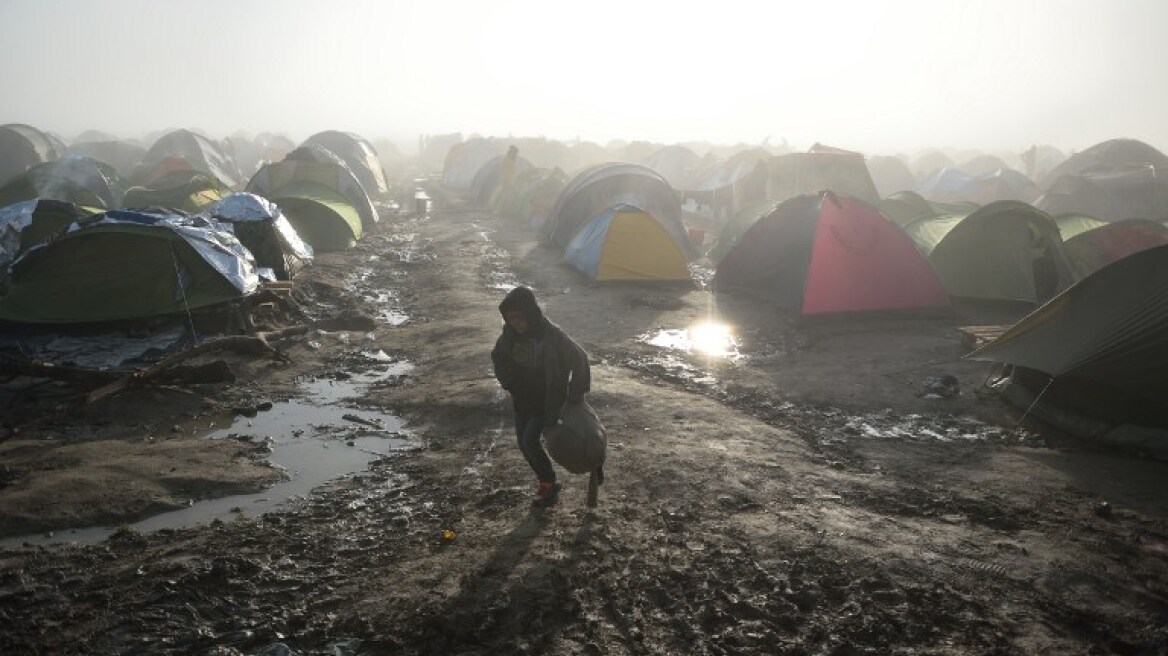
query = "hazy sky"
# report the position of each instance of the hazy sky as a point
(881, 77)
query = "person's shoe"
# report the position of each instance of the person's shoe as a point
(547, 494)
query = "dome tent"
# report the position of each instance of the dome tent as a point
(825, 253)
(605, 185)
(264, 230)
(624, 242)
(1005, 251)
(360, 156)
(124, 265)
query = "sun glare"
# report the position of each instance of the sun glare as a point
(712, 338)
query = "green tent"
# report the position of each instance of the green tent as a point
(125, 265)
(324, 201)
(1005, 251)
(32, 222)
(75, 179)
(904, 207)
(185, 190)
(1110, 330)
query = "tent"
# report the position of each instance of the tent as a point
(1005, 251)
(79, 180)
(123, 156)
(1106, 156)
(185, 190)
(890, 175)
(604, 185)
(677, 164)
(183, 149)
(952, 185)
(359, 155)
(1091, 244)
(1132, 191)
(728, 186)
(324, 201)
(822, 167)
(464, 160)
(31, 222)
(23, 146)
(904, 207)
(535, 195)
(488, 180)
(624, 242)
(125, 265)
(1109, 331)
(826, 253)
(264, 230)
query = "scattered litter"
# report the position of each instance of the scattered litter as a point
(942, 387)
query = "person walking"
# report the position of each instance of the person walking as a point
(542, 368)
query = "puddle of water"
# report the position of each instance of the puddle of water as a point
(921, 428)
(708, 339)
(314, 440)
(388, 302)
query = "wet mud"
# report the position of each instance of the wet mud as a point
(743, 513)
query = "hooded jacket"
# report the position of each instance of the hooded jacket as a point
(566, 373)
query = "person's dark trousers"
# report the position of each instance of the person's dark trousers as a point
(528, 428)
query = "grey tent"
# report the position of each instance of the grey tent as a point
(602, 186)
(359, 154)
(74, 179)
(264, 230)
(186, 149)
(23, 146)
(823, 167)
(890, 175)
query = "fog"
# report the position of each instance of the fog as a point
(880, 77)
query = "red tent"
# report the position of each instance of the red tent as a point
(825, 253)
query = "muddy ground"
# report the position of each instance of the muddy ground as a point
(804, 497)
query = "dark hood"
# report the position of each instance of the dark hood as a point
(523, 299)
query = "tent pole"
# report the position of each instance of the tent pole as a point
(1035, 401)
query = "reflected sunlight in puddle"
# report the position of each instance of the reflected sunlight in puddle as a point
(707, 338)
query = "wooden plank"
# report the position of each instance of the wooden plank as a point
(978, 336)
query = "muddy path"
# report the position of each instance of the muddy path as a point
(801, 499)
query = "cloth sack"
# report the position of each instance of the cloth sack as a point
(579, 442)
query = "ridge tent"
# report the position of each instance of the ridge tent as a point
(624, 242)
(601, 186)
(1109, 331)
(359, 155)
(464, 160)
(124, 265)
(1005, 251)
(23, 147)
(73, 179)
(324, 201)
(185, 190)
(1091, 244)
(840, 171)
(264, 230)
(185, 149)
(31, 222)
(825, 253)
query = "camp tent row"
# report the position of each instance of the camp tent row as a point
(188, 172)
(68, 264)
